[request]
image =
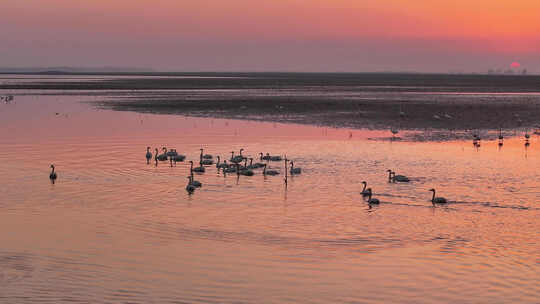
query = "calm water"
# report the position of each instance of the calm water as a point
(116, 230)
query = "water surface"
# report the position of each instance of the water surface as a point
(114, 229)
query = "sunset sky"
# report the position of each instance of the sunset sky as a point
(272, 35)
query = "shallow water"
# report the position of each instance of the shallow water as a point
(114, 229)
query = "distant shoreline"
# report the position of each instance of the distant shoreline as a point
(367, 100)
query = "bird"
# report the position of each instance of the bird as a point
(200, 169)
(190, 188)
(399, 178)
(229, 170)
(206, 156)
(269, 172)
(53, 176)
(295, 170)
(394, 131)
(243, 171)
(371, 200)
(389, 175)
(276, 158)
(265, 157)
(364, 191)
(179, 158)
(437, 200)
(221, 165)
(148, 155)
(237, 159)
(501, 137)
(254, 165)
(206, 162)
(170, 153)
(161, 157)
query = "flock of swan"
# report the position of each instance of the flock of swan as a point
(235, 166)
(239, 164)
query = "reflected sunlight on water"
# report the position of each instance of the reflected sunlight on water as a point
(114, 229)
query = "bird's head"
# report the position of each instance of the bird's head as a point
(432, 190)
(364, 182)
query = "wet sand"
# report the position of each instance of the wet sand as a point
(448, 104)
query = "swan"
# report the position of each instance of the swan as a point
(229, 170)
(206, 156)
(206, 162)
(276, 158)
(364, 191)
(501, 137)
(370, 199)
(254, 165)
(269, 172)
(264, 157)
(148, 155)
(190, 188)
(399, 178)
(243, 171)
(197, 169)
(170, 153)
(437, 200)
(162, 157)
(221, 165)
(179, 157)
(237, 159)
(53, 176)
(295, 170)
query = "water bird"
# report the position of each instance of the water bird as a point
(269, 172)
(372, 200)
(437, 200)
(399, 178)
(254, 165)
(206, 156)
(237, 159)
(53, 176)
(364, 191)
(265, 157)
(394, 131)
(243, 171)
(148, 155)
(295, 170)
(161, 157)
(221, 165)
(190, 188)
(171, 153)
(179, 158)
(200, 169)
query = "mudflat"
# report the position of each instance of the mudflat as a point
(401, 101)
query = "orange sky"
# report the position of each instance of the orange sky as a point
(508, 29)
